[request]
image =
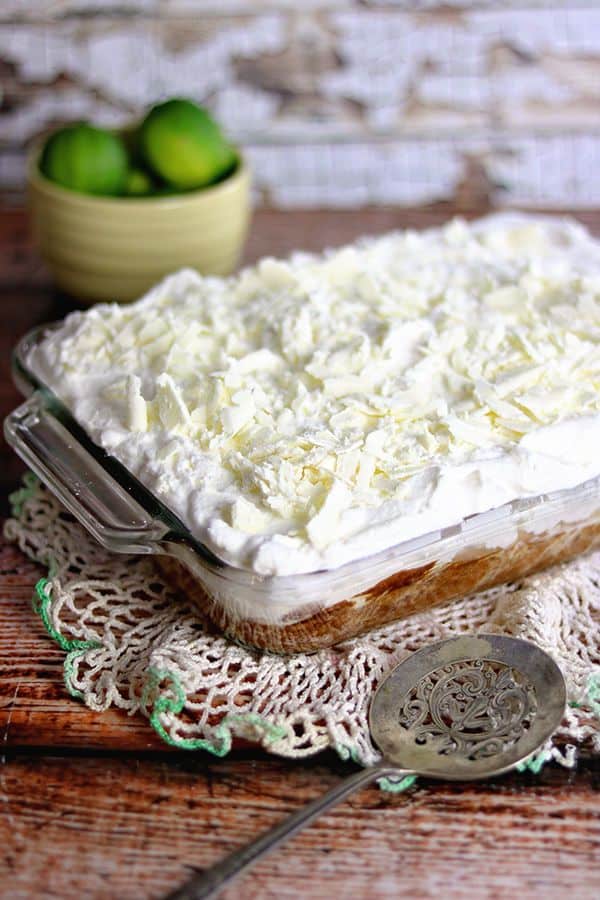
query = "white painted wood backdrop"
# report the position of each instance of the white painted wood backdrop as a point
(338, 103)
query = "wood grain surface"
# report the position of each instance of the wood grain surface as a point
(135, 827)
(452, 99)
(93, 805)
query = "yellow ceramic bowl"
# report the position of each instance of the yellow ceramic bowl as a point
(115, 248)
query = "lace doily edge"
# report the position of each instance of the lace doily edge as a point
(169, 700)
(159, 704)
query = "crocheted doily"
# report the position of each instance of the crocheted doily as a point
(132, 643)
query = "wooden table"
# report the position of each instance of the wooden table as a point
(96, 806)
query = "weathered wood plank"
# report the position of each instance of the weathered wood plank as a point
(340, 103)
(49, 10)
(135, 828)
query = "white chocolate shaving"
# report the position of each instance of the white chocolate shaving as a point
(172, 411)
(138, 415)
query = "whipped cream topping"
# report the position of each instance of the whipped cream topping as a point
(315, 410)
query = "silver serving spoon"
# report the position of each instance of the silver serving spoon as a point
(465, 708)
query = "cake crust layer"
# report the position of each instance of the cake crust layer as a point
(397, 597)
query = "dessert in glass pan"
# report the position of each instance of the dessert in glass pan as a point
(323, 444)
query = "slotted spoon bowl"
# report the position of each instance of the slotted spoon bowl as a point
(465, 708)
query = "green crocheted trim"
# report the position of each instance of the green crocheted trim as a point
(19, 497)
(174, 704)
(41, 605)
(391, 785)
(535, 763)
(593, 693)
(75, 648)
(397, 787)
(345, 752)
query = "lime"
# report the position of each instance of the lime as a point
(138, 184)
(183, 145)
(85, 159)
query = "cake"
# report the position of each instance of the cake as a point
(311, 415)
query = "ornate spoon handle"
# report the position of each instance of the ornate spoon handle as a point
(208, 883)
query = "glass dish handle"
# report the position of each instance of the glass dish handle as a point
(100, 503)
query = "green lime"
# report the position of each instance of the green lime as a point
(138, 184)
(183, 145)
(86, 159)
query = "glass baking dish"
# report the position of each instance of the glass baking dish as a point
(300, 612)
